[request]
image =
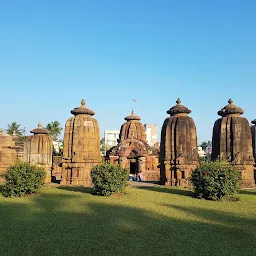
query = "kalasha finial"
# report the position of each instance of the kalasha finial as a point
(230, 101)
(132, 112)
(178, 101)
(40, 125)
(83, 102)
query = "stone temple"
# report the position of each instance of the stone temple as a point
(38, 150)
(253, 130)
(8, 155)
(133, 152)
(81, 149)
(178, 150)
(232, 141)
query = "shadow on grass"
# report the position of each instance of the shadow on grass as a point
(86, 190)
(168, 190)
(75, 224)
(248, 192)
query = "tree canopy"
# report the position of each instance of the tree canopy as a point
(14, 127)
(54, 129)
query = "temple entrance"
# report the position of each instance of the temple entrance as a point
(133, 167)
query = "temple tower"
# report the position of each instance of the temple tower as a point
(8, 155)
(232, 141)
(38, 150)
(133, 152)
(178, 149)
(253, 130)
(132, 129)
(81, 149)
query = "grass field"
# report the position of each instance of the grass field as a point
(144, 221)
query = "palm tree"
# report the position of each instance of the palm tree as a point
(14, 128)
(55, 129)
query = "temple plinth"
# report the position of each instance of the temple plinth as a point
(232, 141)
(38, 150)
(133, 152)
(81, 149)
(178, 150)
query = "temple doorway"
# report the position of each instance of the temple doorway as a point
(133, 167)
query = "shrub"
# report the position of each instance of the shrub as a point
(23, 178)
(216, 180)
(109, 179)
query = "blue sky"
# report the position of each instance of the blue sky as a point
(54, 53)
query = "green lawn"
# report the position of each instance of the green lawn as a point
(144, 221)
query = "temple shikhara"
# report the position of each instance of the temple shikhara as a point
(81, 149)
(178, 150)
(133, 152)
(38, 150)
(253, 130)
(232, 141)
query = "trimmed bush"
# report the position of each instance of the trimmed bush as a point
(109, 179)
(22, 179)
(216, 180)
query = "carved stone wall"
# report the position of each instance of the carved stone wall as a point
(8, 155)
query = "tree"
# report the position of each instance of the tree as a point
(54, 129)
(14, 127)
(102, 145)
(204, 145)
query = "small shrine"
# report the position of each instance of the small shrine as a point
(133, 152)
(81, 149)
(178, 150)
(232, 141)
(38, 150)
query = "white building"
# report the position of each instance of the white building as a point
(110, 138)
(201, 152)
(151, 133)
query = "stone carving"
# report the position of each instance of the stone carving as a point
(178, 150)
(38, 150)
(81, 149)
(133, 152)
(8, 155)
(232, 141)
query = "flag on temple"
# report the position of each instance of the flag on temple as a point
(134, 100)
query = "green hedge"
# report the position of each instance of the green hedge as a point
(23, 178)
(109, 179)
(216, 180)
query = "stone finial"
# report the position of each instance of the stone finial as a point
(82, 109)
(230, 109)
(132, 117)
(178, 101)
(178, 109)
(40, 129)
(83, 102)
